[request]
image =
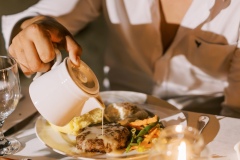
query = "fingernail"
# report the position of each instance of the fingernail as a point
(28, 76)
(77, 61)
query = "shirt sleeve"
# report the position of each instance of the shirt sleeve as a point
(232, 91)
(73, 14)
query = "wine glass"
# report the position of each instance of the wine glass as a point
(9, 97)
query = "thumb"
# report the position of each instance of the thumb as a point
(74, 50)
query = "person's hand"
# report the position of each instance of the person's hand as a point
(33, 46)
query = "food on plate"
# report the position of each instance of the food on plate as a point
(125, 126)
(121, 113)
(144, 133)
(114, 138)
(124, 112)
(80, 122)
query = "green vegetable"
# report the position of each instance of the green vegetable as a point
(147, 129)
(133, 130)
(137, 138)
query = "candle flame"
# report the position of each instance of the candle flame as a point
(182, 153)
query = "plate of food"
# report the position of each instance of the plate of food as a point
(132, 122)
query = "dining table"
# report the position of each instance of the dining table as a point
(221, 133)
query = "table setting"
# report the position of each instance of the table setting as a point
(218, 135)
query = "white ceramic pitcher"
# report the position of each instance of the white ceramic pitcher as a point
(60, 94)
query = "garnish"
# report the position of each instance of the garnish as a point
(144, 133)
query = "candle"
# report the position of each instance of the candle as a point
(179, 143)
(182, 151)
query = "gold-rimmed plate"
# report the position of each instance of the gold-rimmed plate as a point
(65, 144)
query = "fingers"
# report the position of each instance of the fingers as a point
(20, 58)
(37, 62)
(43, 44)
(33, 50)
(74, 50)
(33, 47)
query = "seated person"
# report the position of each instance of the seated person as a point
(186, 52)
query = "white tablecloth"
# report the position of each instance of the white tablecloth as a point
(221, 147)
(221, 134)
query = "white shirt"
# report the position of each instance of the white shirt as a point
(204, 58)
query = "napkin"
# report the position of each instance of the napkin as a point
(237, 149)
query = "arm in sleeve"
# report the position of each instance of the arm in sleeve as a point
(231, 104)
(83, 11)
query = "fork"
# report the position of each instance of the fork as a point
(202, 122)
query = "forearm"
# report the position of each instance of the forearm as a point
(62, 9)
(11, 26)
(25, 23)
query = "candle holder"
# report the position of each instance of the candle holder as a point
(179, 142)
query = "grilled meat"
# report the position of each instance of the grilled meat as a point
(94, 139)
(124, 112)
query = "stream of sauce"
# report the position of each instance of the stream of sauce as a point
(99, 99)
(106, 140)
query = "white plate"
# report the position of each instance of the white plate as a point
(65, 144)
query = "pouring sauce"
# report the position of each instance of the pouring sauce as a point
(99, 99)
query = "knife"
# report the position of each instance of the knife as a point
(17, 127)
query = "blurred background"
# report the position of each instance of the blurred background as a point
(92, 38)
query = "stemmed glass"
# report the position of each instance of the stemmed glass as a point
(9, 97)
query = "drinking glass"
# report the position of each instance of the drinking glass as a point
(9, 97)
(179, 142)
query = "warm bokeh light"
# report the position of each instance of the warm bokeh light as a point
(182, 153)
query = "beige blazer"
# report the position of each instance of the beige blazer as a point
(204, 58)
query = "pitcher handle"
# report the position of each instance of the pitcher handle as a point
(58, 60)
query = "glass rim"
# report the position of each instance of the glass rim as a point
(10, 67)
(180, 128)
(183, 130)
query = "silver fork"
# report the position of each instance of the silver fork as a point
(202, 122)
